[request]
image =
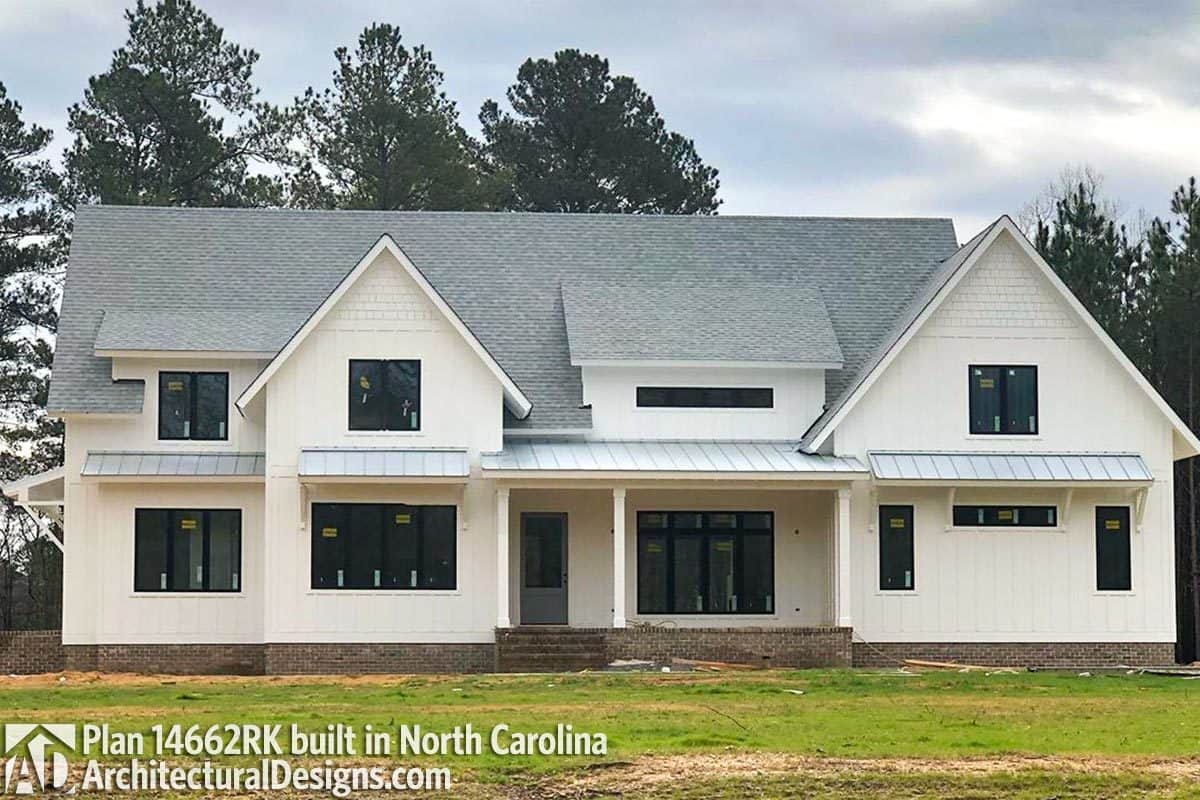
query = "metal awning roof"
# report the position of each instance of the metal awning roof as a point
(114, 464)
(701, 458)
(1010, 467)
(394, 463)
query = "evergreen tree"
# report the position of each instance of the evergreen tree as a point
(30, 265)
(585, 140)
(385, 136)
(151, 130)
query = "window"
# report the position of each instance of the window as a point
(896, 548)
(385, 395)
(1003, 400)
(697, 397)
(178, 550)
(383, 546)
(1006, 516)
(1113, 570)
(692, 562)
(193, 405)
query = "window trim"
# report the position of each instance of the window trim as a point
(383, 591)
(1057, 525)
(1037, 402)
(192, 398)
(638, 404)
(238, 592)
(670, 589)
(383, 362)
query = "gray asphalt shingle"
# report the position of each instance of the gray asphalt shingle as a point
(502, 273)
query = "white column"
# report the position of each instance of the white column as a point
(618, 558)
(502, 556)
(842, 558)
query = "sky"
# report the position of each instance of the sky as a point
(951, 108)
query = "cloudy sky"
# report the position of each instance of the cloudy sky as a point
(960, 108)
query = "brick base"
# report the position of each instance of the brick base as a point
(768, 647)
(31, 652)
(172, 659)
(1065, 655)
(333, 659)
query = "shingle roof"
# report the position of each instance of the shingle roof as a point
(636, 321)
(256, 330)
(502, 273)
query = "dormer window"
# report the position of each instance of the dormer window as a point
(193, 405)
(1003, 399)
(704, 397)
(385, 395)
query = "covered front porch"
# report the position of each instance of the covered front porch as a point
(672, 536)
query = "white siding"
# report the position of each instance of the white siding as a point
(612, 394)
(990, 585)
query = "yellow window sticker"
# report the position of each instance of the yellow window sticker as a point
(187, 524)
(329, 533)
(896, 522)
(987, 383)
(1112, 524)
(404, 519)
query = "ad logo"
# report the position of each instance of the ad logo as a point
(35, 757)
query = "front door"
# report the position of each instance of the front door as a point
(544, 569)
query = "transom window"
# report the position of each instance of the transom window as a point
(385, 395)
(383, 546)
(704, 397)
(710, 562)
(1006, 516)
(193, 405)
(1003, 399)
(185, 550)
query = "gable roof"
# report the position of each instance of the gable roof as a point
(766, 324)
(501, 273)
(514, 399)
(940, 287)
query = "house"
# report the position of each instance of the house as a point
(369, 441)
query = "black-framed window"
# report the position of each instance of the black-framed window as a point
(705, 397)
(706, 562)
(1004, 399)
(1006, 516)
(1114, 570)
(383, 546)
(385, 395)
(193, 405)
(187, 550)
(897, 568)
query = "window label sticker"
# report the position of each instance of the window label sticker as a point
(329, 533)
(174, 386)
(1004, 514)
(1112, 524)
(404, 519)
(187, 524)
(896, 522)
(987, 383)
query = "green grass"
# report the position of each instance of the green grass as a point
(841, 714)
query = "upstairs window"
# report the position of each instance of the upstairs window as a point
(193, 405)
(1005, 516)
(183, 550)
(704, 397)
(385, 395)
(1003, 400)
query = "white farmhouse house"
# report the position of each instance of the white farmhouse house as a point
(358, 441)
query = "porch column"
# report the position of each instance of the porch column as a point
(502, 555)
(842, 559)
(618, 558)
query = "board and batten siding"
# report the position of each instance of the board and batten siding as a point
(1011, 585)
(384, 315)
(612, 393)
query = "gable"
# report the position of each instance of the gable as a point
(402, 284)
(1001, 289)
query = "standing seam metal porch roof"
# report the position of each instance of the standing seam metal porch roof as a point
(664, 456)
(502, 274)
(370, 462)
(107, 463)
(1058, 467)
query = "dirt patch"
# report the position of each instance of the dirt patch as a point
(142, 679)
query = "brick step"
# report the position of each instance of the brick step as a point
(548, 662)
(562, 650)
(550, 641)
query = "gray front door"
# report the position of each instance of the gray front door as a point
(544, 569)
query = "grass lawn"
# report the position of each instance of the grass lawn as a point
(849, 734)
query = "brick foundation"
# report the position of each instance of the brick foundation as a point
(1065, 655)
(333, 659)
(768, 647)
(31, 652)
(171, 659)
